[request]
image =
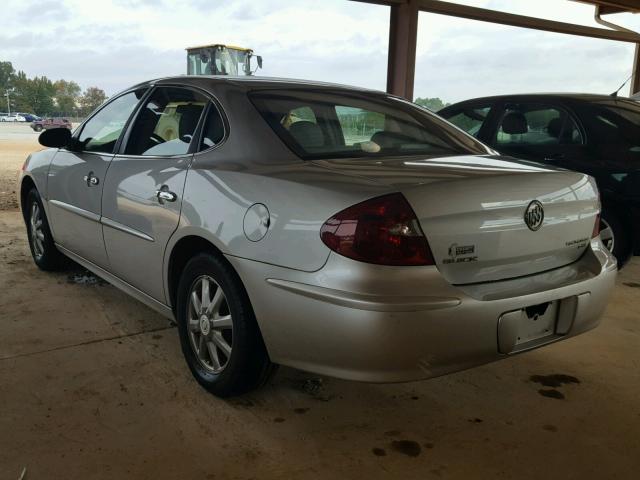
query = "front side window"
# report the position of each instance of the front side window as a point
(101, 132)
(334, 124)
(617, 122)
(537, 125)
(166, 123)
(470, 119)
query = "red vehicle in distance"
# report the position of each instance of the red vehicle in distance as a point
(48, 123)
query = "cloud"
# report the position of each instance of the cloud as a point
(114, 44)
(37, 11)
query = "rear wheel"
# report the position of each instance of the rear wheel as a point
(44, 252)
(38, 128)
(615, 237)
(219, 335)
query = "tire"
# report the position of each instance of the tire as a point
(44, 252)
(38, 128)
(614, 234)
(229, 326)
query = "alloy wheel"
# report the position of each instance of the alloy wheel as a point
(37, 233)
(606, 235)
(210, 326)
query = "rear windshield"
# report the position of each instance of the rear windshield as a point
(321, 124)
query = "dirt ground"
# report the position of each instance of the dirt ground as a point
(17, 140)
(93, 385)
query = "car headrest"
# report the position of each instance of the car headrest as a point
(554, 127)
(307, 134)
(514, 123)
(189, 116)
(386, 139)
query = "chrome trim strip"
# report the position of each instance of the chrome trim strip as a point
(361, 301)
(121, 284)
(78, 211)
(123, 228)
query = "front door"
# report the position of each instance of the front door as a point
(76, 180)
(143, 189)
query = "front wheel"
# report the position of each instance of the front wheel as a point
(43, 250)
(219, 335)
(38, 128)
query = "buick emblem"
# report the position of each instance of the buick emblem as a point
(534, 215)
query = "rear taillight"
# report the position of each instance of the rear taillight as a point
(596, 227)
(383, 230)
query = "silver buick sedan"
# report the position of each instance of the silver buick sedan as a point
(337, 230)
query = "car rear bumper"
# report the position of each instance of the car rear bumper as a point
(384, 324)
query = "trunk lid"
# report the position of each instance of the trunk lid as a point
(472, 211)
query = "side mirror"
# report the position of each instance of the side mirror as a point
(55, 137)
(259, 59)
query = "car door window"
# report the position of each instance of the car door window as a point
(537, 125)
(166, 123)
(300, 114)
(470, 119)
(213, 130)
(358, 125)
(101, 132)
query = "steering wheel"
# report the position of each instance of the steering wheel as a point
(157, 138)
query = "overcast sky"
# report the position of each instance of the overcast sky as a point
(114, 44)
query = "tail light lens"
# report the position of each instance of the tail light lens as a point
(383, 230)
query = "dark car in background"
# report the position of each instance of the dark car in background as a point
(29, 117)
(594, 134)
(48, 123)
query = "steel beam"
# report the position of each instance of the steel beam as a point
(403, 36)
(403, 30)
(494, 16)
(514, 20)
(635, 81)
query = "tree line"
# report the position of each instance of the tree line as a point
(433, 104)
(41, 96)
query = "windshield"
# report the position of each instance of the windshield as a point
(332, 124)
(226, 61)
(230, 62)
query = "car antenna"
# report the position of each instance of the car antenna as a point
(615, 94)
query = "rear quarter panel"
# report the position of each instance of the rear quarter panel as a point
(253, 166)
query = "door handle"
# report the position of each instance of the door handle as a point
(91, 180)
(165, 195)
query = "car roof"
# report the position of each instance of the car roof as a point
(254, 82)
(581, 97)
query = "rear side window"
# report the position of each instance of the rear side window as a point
(470, 119)
(166, 123)
(537, 125)
(335, 124)
(359, 125)
(101, 132)
(213, 130)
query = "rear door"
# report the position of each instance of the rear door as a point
(76, 179)
(143, 190)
